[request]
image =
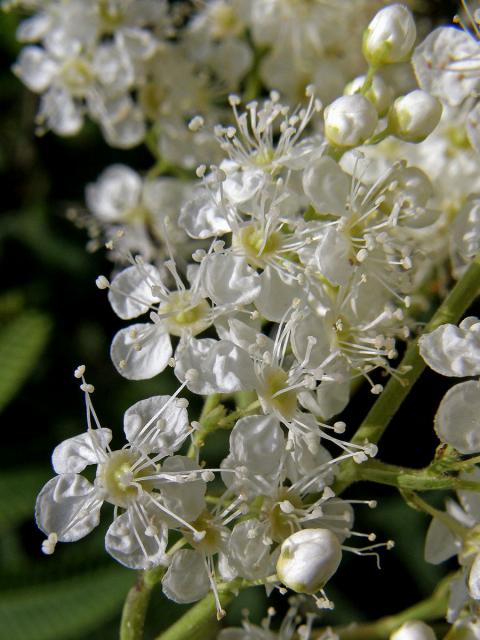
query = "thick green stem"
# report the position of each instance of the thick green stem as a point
(412, 479)
(397, 389)
(200, 622)
(433, 608)
(135, 610)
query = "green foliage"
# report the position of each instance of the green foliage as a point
(23, 484)
(66, 609)
(22, 341)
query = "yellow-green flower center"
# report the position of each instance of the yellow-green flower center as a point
(184, 313)
(119, 478)
(274, 381)
(257, 248)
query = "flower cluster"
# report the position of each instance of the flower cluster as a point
(275, 256)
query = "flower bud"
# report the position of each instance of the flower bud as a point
(414, 630)
(379, 93)
(350, 120)
(413, 117)
(390, 36)
(308, 559)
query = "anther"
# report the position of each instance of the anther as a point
(196, 123)
(102, 282)
(79, 371)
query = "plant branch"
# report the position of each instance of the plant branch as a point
(372, 428)
(199, 623)
(430, 609)
(135, 610)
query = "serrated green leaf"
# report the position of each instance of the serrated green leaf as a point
(21, 342)
(18, 490)
(64, 610)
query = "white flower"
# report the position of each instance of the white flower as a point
(148, 498)
(453, 351)
(446, 64)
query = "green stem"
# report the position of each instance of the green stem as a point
(199, 623)
(412, 479)
(239, 413)
(368, 80)
(416, 502)
(372, 428)
(135, 610)
(430, 609)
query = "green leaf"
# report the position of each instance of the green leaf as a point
(64, 610)
(21, 343)
(18, 490)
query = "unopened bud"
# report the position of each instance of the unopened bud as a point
(350, 120)
(379, 93)
(308, 559)
(390, 36)
(414, 630)
(413, 117)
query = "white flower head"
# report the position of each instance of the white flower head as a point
(453, 351)
(145, 494)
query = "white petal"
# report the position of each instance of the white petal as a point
(244, 335)
(301, 462)
(117, 190)
(311, 325)
(446, 64)
(440, 543)
(62, 114)
(474, 579)
(130, 293)
(122, 122)
(68, 505)
(453, 351)
(203, 217)
(186, 579)
(240, 186)
(229, 279)
(247, 552)
(151, 359)
(137, 543)
(276, 295)
(459, 597)
(258, 443)
(470, 500)
(332, 254)
(74, 454)
(330, 397)
(185, 498)
(473, 127)
(165, 434)
(220, 366)
(35, 68)
(327, 186)
(34, 28)
(458, 418)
